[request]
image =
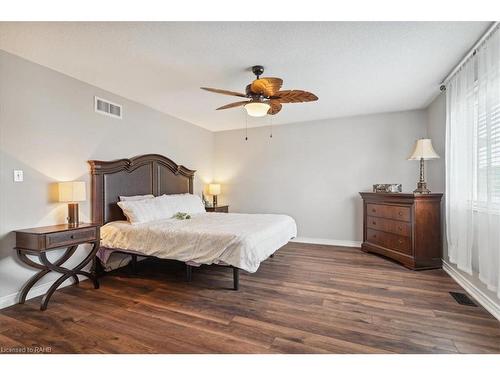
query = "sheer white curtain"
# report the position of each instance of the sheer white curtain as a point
(473, 165)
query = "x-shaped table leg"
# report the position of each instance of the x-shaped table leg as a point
(46, 267)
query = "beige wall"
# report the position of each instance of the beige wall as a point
(313, 171)
(49, 129)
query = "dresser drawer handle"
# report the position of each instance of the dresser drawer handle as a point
(72, 236)
(400, 213)
(400, 241)
(374, 210)
(374, 222)
(374, 236)
(400, 228)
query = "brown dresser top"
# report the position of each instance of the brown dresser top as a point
(56, 228)
(370, 194)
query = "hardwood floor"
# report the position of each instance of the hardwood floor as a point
(307, 299)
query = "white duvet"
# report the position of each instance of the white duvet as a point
(240, 240)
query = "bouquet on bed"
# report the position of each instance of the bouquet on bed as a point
(182, 216)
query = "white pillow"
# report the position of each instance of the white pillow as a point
(142, 211)
(124, 198)
(188, 203)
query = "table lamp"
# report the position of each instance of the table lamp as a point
(72, 192)
(214, 190)
(423, 151)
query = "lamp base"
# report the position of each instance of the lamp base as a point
(421, 188)
(215, 200)
(73, 219)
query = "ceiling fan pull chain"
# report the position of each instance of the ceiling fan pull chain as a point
(246, 127)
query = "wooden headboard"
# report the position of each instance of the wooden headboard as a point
(144, 174)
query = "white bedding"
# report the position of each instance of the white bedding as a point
(240, 240)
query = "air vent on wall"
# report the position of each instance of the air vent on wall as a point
(105, 107)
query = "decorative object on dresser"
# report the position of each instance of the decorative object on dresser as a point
(224, 209)
(423, 151)
(72, 192)
(39, 241)
(214, 190)
(405, 227)
(387, 188)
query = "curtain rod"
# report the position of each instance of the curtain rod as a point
(471, 52)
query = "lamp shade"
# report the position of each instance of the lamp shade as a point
(423, 150)
(257, 109)
(72, 191)
(214, 189)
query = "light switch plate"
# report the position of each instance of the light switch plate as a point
(18, 175)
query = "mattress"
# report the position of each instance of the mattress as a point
(239, 240)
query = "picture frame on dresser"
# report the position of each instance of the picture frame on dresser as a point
(405, 227)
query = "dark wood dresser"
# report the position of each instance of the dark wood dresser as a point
(405, 227)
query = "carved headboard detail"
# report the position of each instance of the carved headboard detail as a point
(145, 174)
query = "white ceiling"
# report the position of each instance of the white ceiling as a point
(353, 67)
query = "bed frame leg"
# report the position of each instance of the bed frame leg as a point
(97, 269)
(134, 263)
(189, 273)
(236, 278)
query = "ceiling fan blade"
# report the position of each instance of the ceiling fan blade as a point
(232, 105)
(224, 92)
(294, 96)
(266, 86)
(275, 107)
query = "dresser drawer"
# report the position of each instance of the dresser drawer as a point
(389, 241)
(387, 225)
(388, 211)
(68, 237)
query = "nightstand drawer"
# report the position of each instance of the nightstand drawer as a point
(224, 209)
(69, 237)
(388, 225)
(388, 211)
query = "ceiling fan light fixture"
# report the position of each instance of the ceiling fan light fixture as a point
(257, 109)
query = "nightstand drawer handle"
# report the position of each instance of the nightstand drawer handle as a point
(72, 236)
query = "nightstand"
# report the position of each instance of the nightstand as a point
(39, 241)
(224, 209)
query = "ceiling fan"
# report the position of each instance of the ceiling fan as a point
(265, 97)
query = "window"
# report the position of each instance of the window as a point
(487, 141)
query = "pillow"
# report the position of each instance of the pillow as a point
(188, 203)
(142, 211)
(124, 198)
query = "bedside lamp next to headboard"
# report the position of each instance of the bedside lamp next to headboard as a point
(72, 192)
(214, 190)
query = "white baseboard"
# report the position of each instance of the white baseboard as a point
(13, 299)
(327, 241)
(489, 304)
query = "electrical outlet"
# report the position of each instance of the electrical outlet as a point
(18, 175)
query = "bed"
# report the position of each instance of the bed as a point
(238, 241)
